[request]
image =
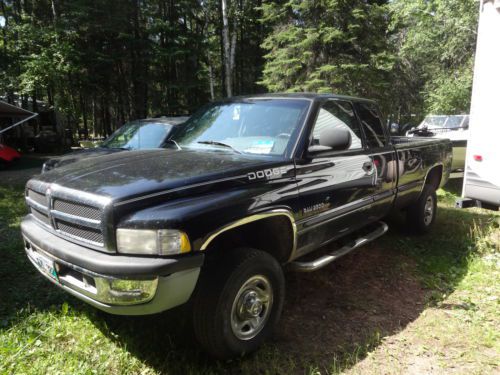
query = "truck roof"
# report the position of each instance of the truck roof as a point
(302, 95)
(172, 120)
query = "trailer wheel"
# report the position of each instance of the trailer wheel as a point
(422, 214)
(238, 302)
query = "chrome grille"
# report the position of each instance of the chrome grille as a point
(78, 220)
(37, 197)
(80, 232)
(41, 216)
(77, 209)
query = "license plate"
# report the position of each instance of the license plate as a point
(44, 265)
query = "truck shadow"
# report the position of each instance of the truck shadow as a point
(332, 318)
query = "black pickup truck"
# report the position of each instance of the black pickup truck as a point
(247, 188)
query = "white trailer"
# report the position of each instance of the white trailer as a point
(482, 165)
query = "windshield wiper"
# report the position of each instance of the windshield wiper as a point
(216, 143)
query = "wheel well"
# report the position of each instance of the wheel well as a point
(274, 235)
(434, 176)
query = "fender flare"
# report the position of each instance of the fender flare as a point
(252, 218)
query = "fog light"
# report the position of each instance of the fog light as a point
(125, 292)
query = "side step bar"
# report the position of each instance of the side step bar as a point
(328, 258)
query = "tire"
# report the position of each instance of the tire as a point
(237, 277)
(421, 215)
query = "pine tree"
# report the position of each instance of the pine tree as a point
(328, 46)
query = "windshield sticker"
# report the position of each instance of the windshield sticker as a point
(236, 113)
(261, 147)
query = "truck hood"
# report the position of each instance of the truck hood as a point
(131, 174)
(78, 155)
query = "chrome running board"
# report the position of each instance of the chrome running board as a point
(328, 258)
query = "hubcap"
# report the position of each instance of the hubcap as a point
(428, 210)
(251, 307)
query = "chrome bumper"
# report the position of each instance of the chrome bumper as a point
(126, 294)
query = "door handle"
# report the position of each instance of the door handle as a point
(368, 166)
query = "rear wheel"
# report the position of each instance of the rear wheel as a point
(238, 302)
(422, 214)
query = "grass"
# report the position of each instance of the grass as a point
(418, 305)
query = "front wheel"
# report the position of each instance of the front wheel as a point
(238, 302)
(422, 214)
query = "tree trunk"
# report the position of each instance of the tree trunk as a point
(54, 11)
(226, 42)
(211, 80)
(5, 26)
(36, 123)
(94, 116)
(233, 48)
(84, 114)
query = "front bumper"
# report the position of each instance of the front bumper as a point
(146, 285)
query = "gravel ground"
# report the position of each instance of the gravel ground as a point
(21, 171)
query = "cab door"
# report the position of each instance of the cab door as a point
(335, 187)
(387, 169)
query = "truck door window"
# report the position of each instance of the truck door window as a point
(372, 125)
(337, 113)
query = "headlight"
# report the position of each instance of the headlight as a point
(153, 242)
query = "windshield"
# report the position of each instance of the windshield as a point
(259, 126)
(448, 122)
(138, 135)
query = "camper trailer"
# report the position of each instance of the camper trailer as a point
(482, 165)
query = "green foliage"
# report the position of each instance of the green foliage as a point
(435, 43)
(413, 56)
(328, 46)
(104, 62)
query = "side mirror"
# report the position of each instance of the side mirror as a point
(335, 139)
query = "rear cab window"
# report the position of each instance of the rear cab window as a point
(371, 122)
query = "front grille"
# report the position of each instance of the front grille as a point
(41, 216)
(67, 216)
(77, 209)
(37, 197)
(80, 232)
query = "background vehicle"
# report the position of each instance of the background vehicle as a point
(134, 135)
(11, 119)
(246, 188)
(482, 173)
(48, 141)
(454, 128)
(8, 155)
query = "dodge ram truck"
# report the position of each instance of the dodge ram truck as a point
(246, 189)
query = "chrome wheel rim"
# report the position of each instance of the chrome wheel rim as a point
(251, 307)
(428, 210)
